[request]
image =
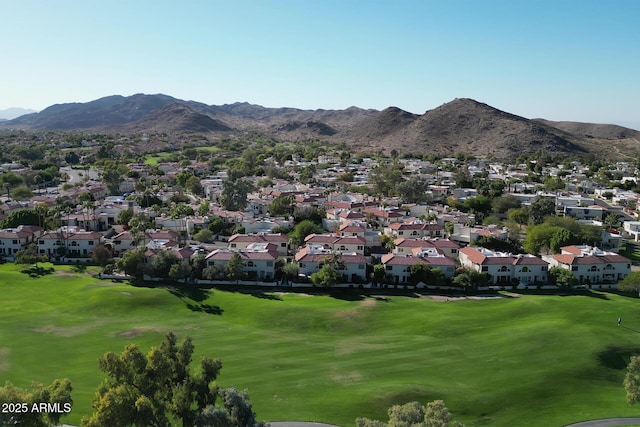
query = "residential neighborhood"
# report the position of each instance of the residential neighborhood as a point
(380, 220)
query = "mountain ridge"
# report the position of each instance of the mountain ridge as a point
(461, 125)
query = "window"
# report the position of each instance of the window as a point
(593, 268)
(400, 233)
(41, 242)
(233, 245)
(15, 242)
(251, 264)
(360, 247)
(360, 266)
(454, 251)
(485, 268)
(301, 265)
(504, 268)
(525, 269)
(269, 263)
(388, 267)
(90, 242)
(574, 268)
(283, 245)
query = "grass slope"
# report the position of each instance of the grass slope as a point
(549, 360)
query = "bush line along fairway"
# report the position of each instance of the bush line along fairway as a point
(550, 360)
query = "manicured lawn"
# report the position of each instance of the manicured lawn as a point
(153, 160)
(534, 360)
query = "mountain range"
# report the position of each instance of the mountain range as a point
(462, 125)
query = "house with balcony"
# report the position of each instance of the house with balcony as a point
(591, 265)
(311, 258)
(14, 239)
(337, 243)
(259, 261)
(632, 229)
(69, 242)
(414, 230)
(505, 268)
(242, 241)
(446, 247)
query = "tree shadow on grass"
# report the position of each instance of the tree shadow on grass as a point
(617, 356)
(256, 293)
(194, 298)
(36, 271)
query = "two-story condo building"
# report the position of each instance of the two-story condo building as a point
(70, 242)
(504, 267)
(337, 243)
(311, 258)
(591, 265)
(259, 260)
(14, 239)
(242, 241)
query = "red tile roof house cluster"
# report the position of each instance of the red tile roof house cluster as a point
(14, 239)
(397, 266)
(259, 260)
(505, 268)
(591, 265)
(311, 258)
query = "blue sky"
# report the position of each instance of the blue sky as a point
(561, 59)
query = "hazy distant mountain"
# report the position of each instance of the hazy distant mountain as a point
(12, 113)
(593, 130)
(462, 125)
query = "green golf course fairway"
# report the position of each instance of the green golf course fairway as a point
(532, 360)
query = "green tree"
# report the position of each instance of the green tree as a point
(216, 225)
(418, 273)
(413, 414)
(162, 263)
(193, 185)
(58, 394)
(234, 194)
(504, 203)
(539, 237)
(234, 269)
(235, 410)
(631, 283)
(203, 209)
(72, 158)
(413, 190)
(204, 235)
(290, 270)
(385, 178)
(327, 276)
(379, 273)
(182, 177)
(329, 273)
(612, 221)
(541, 208)
(22, 193)
(132, 263)
(302, 230)
(632, 380)
(29, 255)
(479, 203)
(519, 216)
(10, 180)
(124, 216)
(562, 277)
(561, 238)
(281, 206)
(157, 389)
(101, 255)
